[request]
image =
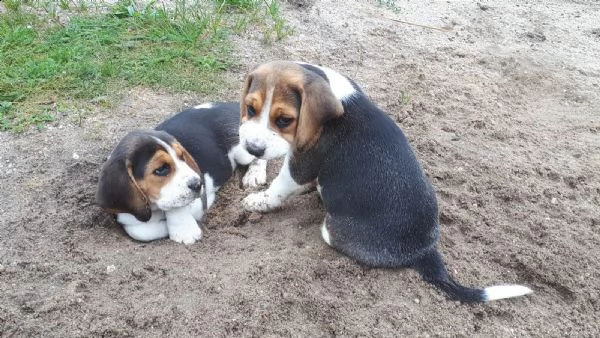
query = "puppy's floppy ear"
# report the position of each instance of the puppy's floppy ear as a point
(117, 189)
(187, 157)
(318, 106)
(245, 90)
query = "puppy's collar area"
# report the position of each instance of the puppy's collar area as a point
(203, 197)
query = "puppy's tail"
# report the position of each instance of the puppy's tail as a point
(432, 268)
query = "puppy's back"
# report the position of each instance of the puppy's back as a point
(207, 132)
(377, 182)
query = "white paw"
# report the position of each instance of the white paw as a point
(260, 201)
(182, 226)
(254, 178)
(256, 174)
(188, 234)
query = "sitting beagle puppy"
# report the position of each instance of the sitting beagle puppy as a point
(159, 182)
(381, 209)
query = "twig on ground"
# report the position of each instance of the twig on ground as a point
(419, 25)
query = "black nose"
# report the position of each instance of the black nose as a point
(255, 150)
(195, 185)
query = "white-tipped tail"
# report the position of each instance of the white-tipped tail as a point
(325, 233)
(505, 291)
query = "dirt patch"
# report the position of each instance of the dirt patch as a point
(501, 106)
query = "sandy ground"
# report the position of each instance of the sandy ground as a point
(503, 109)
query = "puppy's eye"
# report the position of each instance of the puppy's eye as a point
(251, 111)
(163, 170)
(283, 121)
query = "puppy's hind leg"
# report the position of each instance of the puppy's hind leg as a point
(155, 228)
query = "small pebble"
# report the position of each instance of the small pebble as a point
(417, 300)
(483, 7)
(75, 156)
(255, 217)
(554, 200)
(111, 268)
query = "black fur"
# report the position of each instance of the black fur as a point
(315, 70)
(381, 208)
(208, 134)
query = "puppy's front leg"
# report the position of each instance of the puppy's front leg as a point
(182, 226)
(256, 174)
(282, 187)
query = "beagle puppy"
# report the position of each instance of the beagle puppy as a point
(381, 209)
(159, 182)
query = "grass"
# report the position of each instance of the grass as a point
(69, 54)
(404, 98)
(389, 4)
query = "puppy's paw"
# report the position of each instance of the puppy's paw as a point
(260, 202)
(256, 174)
(188, 234)
(182, 226)
(254, 178)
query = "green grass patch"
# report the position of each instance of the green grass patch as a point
(389, 4)
(68, 53)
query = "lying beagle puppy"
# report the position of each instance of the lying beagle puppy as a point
(381, 209)
(159, 182)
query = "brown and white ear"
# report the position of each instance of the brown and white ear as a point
(118, 191)
(318, 106)
(245, 90)
(187, 157)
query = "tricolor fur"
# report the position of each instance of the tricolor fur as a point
(381, 209)
(159, 182)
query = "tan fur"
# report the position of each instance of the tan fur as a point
(186, 157)
(298, 94)
(151, 185)
(319, 105)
